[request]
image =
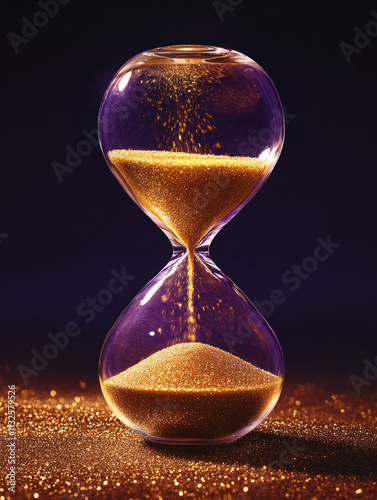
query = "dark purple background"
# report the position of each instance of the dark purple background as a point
(65, 238)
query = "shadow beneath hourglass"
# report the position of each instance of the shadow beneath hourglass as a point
(283, 453)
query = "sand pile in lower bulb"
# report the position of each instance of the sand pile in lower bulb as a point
(191, 391)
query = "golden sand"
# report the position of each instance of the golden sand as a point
(190, 193)
(192, 391)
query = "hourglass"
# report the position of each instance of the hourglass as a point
(191, 132)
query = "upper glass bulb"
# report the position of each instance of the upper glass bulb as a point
(211, 113)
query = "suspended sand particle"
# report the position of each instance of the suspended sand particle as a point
(182, 99)
(192, 390)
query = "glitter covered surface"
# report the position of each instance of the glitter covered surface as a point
(316, 444)
(192, 391)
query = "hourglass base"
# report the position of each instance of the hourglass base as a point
(192, 441)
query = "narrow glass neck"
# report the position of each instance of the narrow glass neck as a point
(202, 249)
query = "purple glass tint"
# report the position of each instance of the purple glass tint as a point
(192, 99)
(232, 324)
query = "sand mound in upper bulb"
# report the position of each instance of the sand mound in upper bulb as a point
(192, 391)
(189, 192)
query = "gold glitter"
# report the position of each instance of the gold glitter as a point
(85, 446)
(209, 393)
